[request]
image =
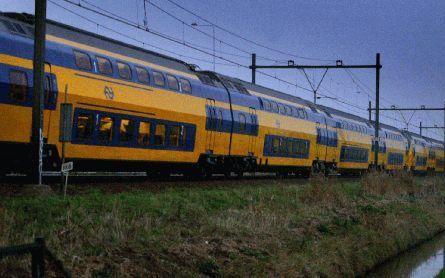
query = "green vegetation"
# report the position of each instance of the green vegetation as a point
(241, 228)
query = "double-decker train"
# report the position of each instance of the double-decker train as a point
(134, 109)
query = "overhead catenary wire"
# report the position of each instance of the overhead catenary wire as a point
(248, 40)
(122, 20)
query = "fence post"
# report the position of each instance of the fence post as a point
(38, 259)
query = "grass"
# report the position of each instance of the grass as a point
(262, 228)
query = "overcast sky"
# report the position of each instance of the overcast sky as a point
(410, 36)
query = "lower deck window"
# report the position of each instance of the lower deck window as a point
(286, 147)
(85, 125)
(144, 133)
(105, 133)
(18, 85)
(126, 130)
(173, 138)
(160, 134)
(353, 154)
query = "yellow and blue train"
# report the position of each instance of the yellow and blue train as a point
(138, 110)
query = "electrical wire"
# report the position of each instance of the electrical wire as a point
(156, 33)
(248, 40)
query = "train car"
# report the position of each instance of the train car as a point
(294, 135)
(439, 153)
(355, 140)
(397, 148)
(418, 153)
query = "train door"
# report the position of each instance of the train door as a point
(335, 144)
(211, 125)
(321, 141)
(253, 131)
(49, 99)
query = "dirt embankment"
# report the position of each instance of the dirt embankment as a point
(272, 227)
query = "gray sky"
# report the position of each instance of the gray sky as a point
(410, 36)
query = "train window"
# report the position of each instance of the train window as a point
(126, 130)
(303, 113)
(144, 133)
(289, 110)
(158, 78)
(275, 148)
(124, 70)
(282, 109)
(267, 105)
(142, 75)
(85, 126)
(172, 83)
(274, 107)
(160, 134)
(221, 120)
(18, 85)
(173, 137)
(47, 96)
(183, 136)
(242, 122)
(104, 65)
(105, 133)
(83, 60)
(185, 86)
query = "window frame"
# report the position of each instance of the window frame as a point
(163, 135)
(242, 126)
(109, 62)
(76, 61)
(112, 131)
(155, 72)
(23, 87)
(119, 70)
(181, 80)
(132, 134)
(169, 76)
(138, 69)
(149, 141)
(90, 138)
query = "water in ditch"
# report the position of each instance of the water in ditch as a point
(425, 260)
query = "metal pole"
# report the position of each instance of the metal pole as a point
(253, 67)
(39, 75)
(377, 103)
(369, 110)
(420, 127)
(443, 161)
(315, 97)
(214, 53)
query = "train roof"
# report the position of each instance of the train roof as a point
(60, 30)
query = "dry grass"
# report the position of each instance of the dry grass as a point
(323, 228)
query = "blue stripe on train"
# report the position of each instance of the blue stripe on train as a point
(6, 98)
(219, 119)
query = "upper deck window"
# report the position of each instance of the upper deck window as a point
(83, 60)
(267, 105)
(104, 65)
(274, 107)
(158, 78)
(142, 75)
(172, 82)
(18, 85)
(185, 86)
(282, 109)
(124, 70)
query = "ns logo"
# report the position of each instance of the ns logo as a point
(108, 92)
